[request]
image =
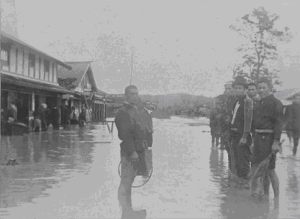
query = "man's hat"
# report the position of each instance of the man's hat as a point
(239, 80)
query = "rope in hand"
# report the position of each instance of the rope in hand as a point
(144, 182)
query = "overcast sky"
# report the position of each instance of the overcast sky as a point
(194, 35)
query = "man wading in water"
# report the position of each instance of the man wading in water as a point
(240, 132)
(267, 124)
(135, 132)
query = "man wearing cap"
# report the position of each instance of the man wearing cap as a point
(135, 131)
(240, 131)
(267, 124)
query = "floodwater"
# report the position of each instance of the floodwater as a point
(73, 174)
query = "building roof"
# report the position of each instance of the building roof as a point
(9, 38)
(286, 95)
(27, 83)
(78, 70)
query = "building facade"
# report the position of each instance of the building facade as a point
(80, 80)
(28, 78)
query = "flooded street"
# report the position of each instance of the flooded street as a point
(73, 174)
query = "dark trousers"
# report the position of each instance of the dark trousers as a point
(241, 154)
(295, 134)
(263, 148)
(225, 138)
(128, 173)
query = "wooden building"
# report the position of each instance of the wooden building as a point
(80, 80)
(29, 77)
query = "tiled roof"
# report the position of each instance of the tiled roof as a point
(79, 69)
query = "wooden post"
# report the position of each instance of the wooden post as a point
(0, 77)
(32, 101)
(58, 104)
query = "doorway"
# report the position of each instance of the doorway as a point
(23, 107)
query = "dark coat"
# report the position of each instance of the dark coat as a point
(134, 129)
(268, 114)
(292, 116)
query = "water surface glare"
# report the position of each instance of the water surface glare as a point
(72, 173)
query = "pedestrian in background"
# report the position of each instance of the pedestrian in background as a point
(288, 122)
(293, 121)
(225, 101)
(82, 117)
(215, 122)
(43, 116)
(55, 117)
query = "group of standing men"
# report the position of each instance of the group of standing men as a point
(247, 118)
(250, 126)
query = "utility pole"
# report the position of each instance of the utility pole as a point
(131, 67)
(0, 76)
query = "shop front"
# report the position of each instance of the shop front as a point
(28, 96)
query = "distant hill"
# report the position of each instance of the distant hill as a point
(170, 100)
(173, 104)
(179, 104)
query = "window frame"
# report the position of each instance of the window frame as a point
(46, 63)
(31, 60)
(5, 63)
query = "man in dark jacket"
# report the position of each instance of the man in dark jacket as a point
(134, 129)
(267, 124)
(55, 117)
(82, 117)
(288, 122)
(43, 112)
(242, 112)
(225, 102)
(293, 121)
(215, 124)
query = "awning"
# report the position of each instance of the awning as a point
(98, 102)
(35, 85)
(70, 96)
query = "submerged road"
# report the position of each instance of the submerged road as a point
(72, 174)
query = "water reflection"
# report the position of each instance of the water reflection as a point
(44, 160)
(235, 203)
(73, 174)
